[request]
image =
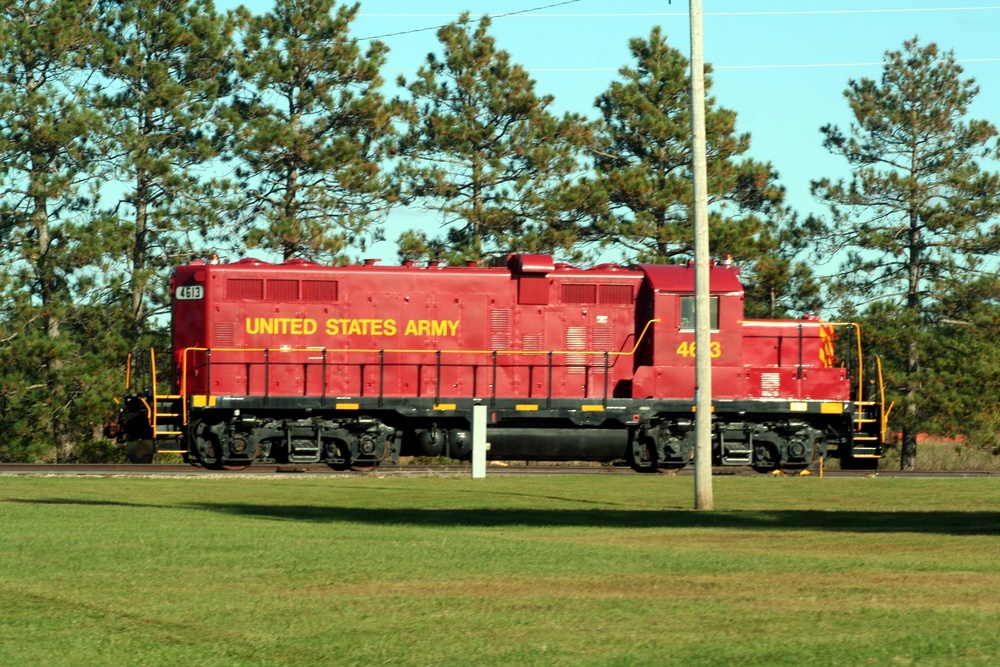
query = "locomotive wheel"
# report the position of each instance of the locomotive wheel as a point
(243, 465)
(343, 452)
(643, 453)
(369, 466)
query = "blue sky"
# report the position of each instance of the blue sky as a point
(782, 65)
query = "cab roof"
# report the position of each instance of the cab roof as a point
(680, 278)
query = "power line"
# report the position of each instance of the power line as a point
(558, 70)
(797, 12)
(498, 16)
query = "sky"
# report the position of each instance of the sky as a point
(781, 65)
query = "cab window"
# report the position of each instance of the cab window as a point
(687, 312)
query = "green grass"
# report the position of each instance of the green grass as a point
(573, 570)
(940, 454)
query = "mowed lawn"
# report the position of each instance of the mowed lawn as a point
(571, 570)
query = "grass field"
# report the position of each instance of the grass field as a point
(573, 570)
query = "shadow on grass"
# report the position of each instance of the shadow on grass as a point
(946, 523)
(73, 501)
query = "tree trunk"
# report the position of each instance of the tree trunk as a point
(908, 453)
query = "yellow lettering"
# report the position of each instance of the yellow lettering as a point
(360, 327)
(689, 349)
(434, 328)
(295, 326)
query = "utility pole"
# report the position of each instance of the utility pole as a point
(703, 320)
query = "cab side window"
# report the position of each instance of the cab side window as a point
(687, 313)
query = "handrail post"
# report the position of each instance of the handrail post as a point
(607, 357)
(128, 372)
(437, 388)
(861, 362)
(322, 398)
(381, 376)
(850, 353)
(493, 392)
(183, 385)
(800, 351)
(267, 374)
(548, 399)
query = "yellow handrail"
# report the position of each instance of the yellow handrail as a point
(362, 350)
(187, 350)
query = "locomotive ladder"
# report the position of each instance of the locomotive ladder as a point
(162, 410)
(870, 423)
(164, 418)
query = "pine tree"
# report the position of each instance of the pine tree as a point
(963, 323)
(919, 213)
(643, 165)
(314, 132)
(487, 156)
(46, 235)
(165, 68)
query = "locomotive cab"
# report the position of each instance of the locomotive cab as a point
(666, 367)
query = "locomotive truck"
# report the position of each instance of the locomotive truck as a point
(354, 366)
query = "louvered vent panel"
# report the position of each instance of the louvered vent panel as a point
(576, 339)
(500, 329)
(245, 289)
(531, 341)
(282, 290)
(579, 293)
(615, 294)
(603, 340)
(320, 291)
(770, 384)
(224, 334)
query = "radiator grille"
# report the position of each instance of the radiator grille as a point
(244, 289)
(282, 290)
(770, 384)
(320, 291)
(500, 329)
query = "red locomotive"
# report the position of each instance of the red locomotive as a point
(356, 365)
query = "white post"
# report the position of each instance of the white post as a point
(479, 442)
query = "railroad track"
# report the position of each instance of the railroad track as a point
(291, 469)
